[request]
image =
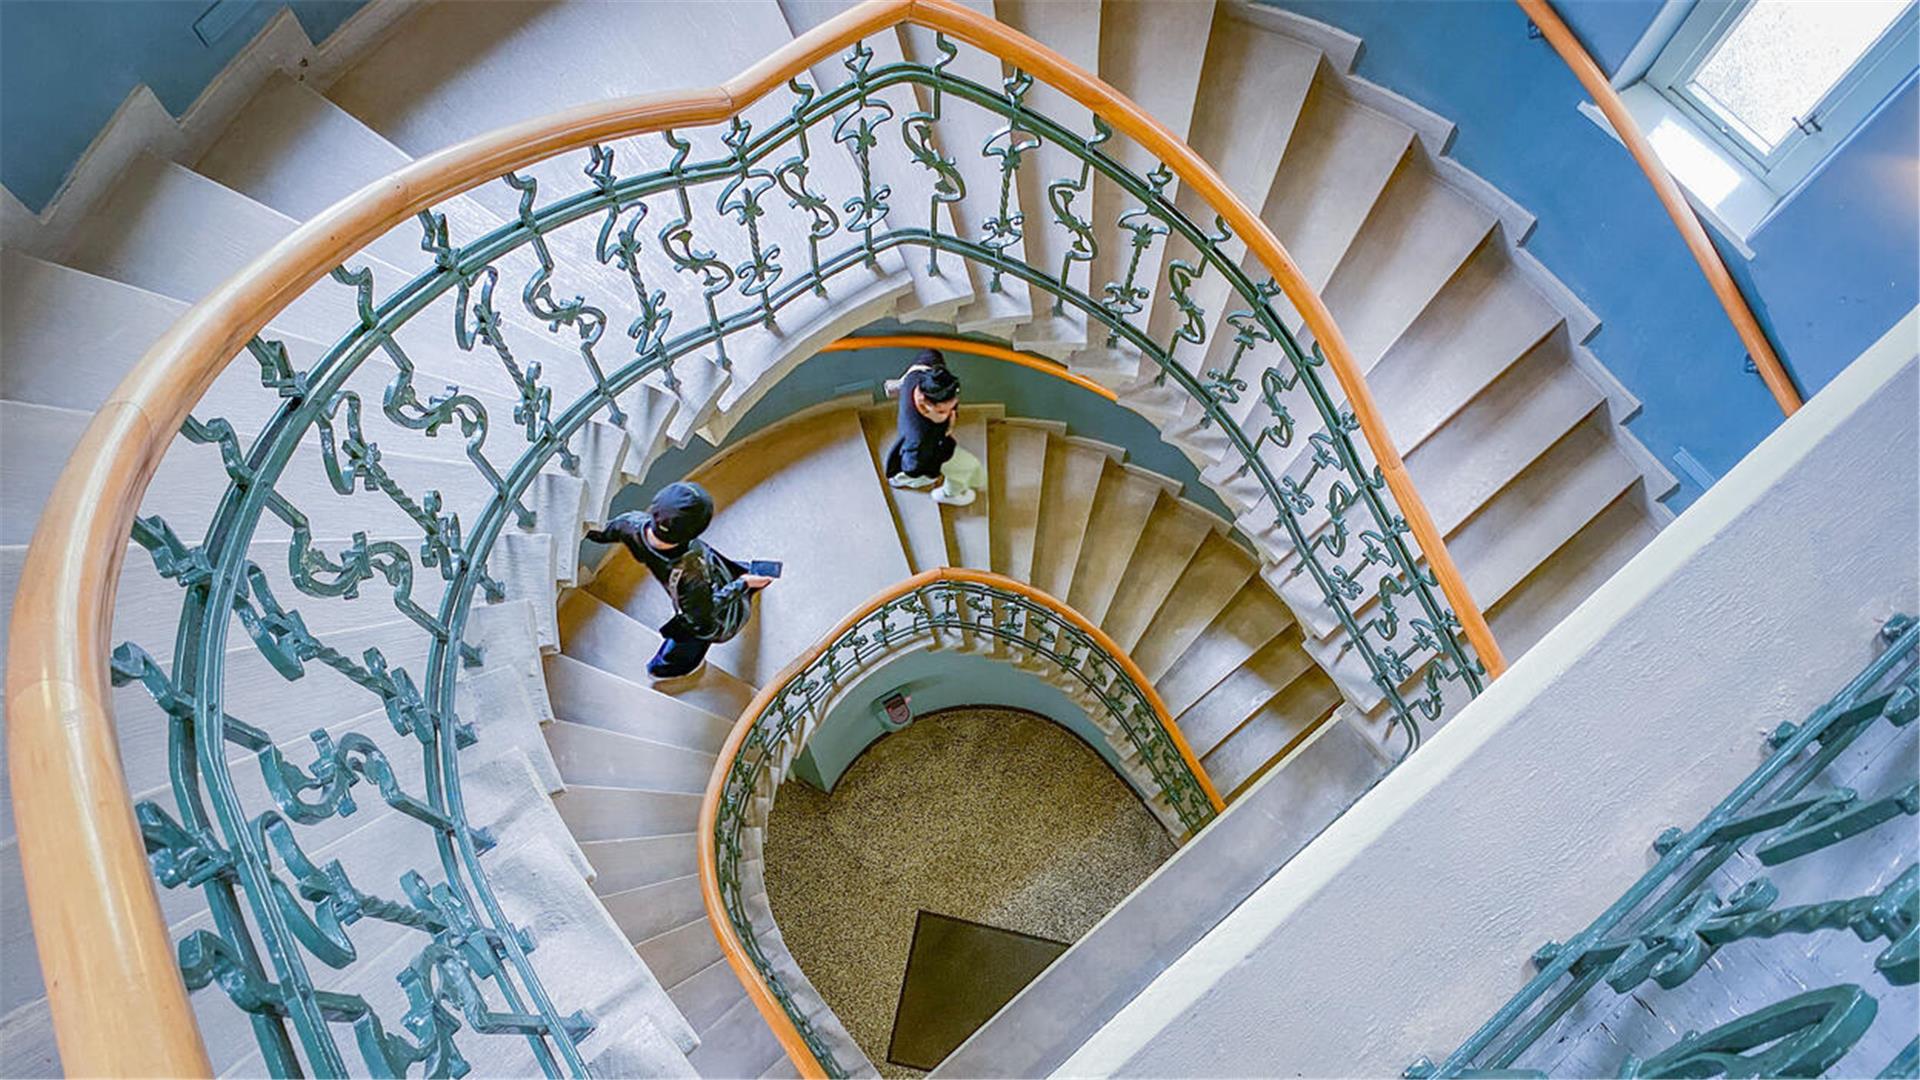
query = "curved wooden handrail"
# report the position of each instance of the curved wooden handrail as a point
(956, 343)
(730, 944)
(116, 997)
(1667, 189)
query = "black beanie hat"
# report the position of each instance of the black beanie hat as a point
(939, 385)
(680, 512)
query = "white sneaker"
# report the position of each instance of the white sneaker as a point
(964, 498)
(916, 483)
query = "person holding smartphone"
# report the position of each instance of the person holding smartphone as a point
(712, 595)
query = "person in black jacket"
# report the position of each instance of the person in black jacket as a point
(712, 595)
(929, 402)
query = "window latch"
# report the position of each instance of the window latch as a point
(1808, 126)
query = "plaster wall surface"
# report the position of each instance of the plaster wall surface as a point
(1409, 921)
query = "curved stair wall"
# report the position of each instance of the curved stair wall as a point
(308, 516)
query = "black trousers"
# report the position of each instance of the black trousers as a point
(921, 458)
(680, 652)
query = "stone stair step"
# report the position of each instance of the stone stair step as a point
(1153, 54)
(789, 499)
(1072, 474)
(1172, 536)
(968, 529)
(651, 910)
(171, 231)
(597, 633)
(1572, 573)
(1336, 165)
(738, 1044)
(1016, 476)
(1246, 72)
(1216, 574)
(1259, 743)
(916, 516)
(706, 995)
(939, 290)
(1245, 626)
(579, 952)
(1123, 503)
(585, 694)
(602, 812)
(1209, 721)
(634, 862)
(680, 954)
(1484, 319)
(1418, 234)
(600, 758)
(996, 307)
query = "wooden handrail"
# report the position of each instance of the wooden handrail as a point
(1667, 189)
(730, 944)
(956, 343)
(116, 997)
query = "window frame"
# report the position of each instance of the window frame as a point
(1879, 71)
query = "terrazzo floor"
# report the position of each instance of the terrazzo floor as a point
(992, 815)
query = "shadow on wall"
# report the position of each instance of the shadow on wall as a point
(1836, 267)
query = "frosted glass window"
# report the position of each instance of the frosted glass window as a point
(1781, 57)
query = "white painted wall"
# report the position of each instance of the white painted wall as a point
(1409, 921)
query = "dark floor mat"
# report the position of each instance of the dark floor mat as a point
(959, 973)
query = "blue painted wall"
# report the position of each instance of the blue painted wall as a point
(1834, 270)
(66, 65)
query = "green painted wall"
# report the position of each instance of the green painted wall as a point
(936, 681)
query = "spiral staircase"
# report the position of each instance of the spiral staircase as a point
(583, 783)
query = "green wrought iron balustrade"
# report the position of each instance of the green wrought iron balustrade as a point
(666, 262)
(1673, 922)
(942, 609)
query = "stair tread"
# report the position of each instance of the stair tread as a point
(597, 633)
(1168, 543)
(915, 513)
(707, 994)
(769, 504)
(585, 694)
(1231, 701)
(1216, 574)
(1335, 166)
(602, 812)
(1247, 72)
(738, 1044)
(1153, 54)
(1072, 29)
(1016, 468)
(995, 306)
(1243, 755)
(593, 756)
(1418, 234)
(651, 910)
(1571, 574)
(680, 953)
(1506, 427)
(1071, 479)
(1483, 320)
(968, 529)
(1122, 504)
(1248, 622)
(636, 861)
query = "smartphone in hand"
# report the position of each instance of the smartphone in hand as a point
(764, 568)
